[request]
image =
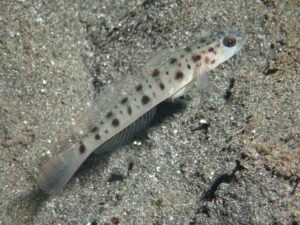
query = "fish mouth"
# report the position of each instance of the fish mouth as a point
(241, 42)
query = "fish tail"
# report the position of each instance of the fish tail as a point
(56, 173)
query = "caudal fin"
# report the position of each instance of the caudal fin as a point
(56, 173)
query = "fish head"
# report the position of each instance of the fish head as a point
(218, 49)
(230, 43)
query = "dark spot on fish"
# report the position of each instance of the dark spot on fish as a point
(109, 114)
(129, 110)
(206, 60)
(211, 49)
(202, 40)
(153, 94)
(150, 86)
(179, 75)
(145, 99)
(196, 58)
(124, 100)
(173, 60)
(181, 56)
(179, 64)
(139, 87)
(155, 73)
(82, 148)
(167, 73)
(115, 122)
(94, 129)
(213, 61)
(101, 122)
(162, 86)
(188, 49)
(106, 131)
(97, 137)
(188, 66)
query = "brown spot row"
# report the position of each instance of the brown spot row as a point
(173, 60)
(129, 110)
(109, 114)
(115, 122)
(97, 137)
(139, 87)
(206, 60)
(211, 49)
(124, 100)
(82, 148)
(196, 58)
(145, 100)
(162, 86)
(155, 73)
(179, 75)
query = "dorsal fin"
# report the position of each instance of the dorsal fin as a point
(158, 60)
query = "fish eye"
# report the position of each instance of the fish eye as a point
(229, 41)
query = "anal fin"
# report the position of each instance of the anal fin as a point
(128, 133)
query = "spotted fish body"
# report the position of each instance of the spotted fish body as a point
(107, 125)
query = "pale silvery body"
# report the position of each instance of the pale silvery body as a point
(129, 108)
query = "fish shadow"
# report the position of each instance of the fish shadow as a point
(24, 208)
